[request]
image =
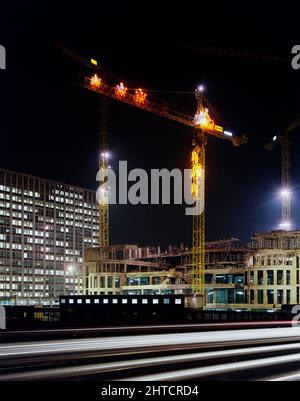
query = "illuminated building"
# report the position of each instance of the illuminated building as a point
(131, 270)
(44, 228)
(262, 276)
(273, 278)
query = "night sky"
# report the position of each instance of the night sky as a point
(49, 125)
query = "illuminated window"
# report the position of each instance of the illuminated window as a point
(124, 301)
(260, 296)
(178, 301)
(71, 301)
(109, 281)
(279, 297)
(105, 301)
(167, 301)
(260, 277)
(115, 301)
(96, 301)
(79, 301)
(270, 297)
(144, 301)
(270, 275)
(288, 277)
(63, 301)
(87, 301)
(134, 301)
(279, 279)
(155, 301)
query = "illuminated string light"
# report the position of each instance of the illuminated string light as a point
(95, 81)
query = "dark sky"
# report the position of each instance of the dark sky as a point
(49, 126)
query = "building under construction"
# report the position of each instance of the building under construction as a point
(210, 275)
(264, 275)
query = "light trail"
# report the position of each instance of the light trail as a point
(196, 373)
(144, 362)
(290, 377)
(134, 341)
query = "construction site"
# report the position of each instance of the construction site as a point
(220, 275)
(67, 250)
(149, 197)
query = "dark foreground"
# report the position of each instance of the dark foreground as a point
(180, 353)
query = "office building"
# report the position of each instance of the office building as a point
(44, 229)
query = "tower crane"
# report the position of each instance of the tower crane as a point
(284, 140)
(203, 126)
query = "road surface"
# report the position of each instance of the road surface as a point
(245, 354)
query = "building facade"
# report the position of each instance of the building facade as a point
(261, 276)
(128, 269)
(273, 276)
(44, 229)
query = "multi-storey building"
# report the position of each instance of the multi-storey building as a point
(262, 276)
(128, 269)
(44, 229)
(131, 270)
(273, 277)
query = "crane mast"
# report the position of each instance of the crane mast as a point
(198, 233)
(286, 178)
(103, 174)
(198, 222)
(284, 140)
(103, 202)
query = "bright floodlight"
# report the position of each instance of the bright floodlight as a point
(227, 133)
(285, 193)
(274, 138)
(200, 88)
(105, 155)
(286, 225)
